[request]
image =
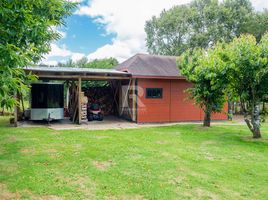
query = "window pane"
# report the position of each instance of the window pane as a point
(154, 93)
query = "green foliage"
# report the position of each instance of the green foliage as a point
(207, 73)
(240, 67)
(106, 63)
(201, 24)
(26, 29)
(247, 65)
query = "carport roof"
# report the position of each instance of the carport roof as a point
(45, 72)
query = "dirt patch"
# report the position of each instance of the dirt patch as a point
(103, 165)
(9, 167)
(203, 194)
(99, 137)
(82, 184)
(53, 153)
(161, 142)
(77, 147)
(199, 175)
(125, 197)
(55, 133)
(165, 154)
(12, 138)
(177, 180)
(251, 139)
(207, 156)
(48, 197)
(5, 194)
(28, 151)
(85, 186)
(199, 194)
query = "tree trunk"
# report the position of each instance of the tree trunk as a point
(255, 120)
(230, 111)
(207, 118)
(3, 112)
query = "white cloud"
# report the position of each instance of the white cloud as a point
(260, 4)
(75, 1)
(60, 52)
(62, 33)
(126, 19)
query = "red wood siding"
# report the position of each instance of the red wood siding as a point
(153, 110)
(173, 107)
(182, 109)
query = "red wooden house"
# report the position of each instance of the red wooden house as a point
(159, 91)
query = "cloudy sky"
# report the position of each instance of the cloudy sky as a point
(110, 28)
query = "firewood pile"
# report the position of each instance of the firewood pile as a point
(84, 102)
(73, 105)
(104, 96)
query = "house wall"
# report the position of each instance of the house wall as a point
(174, 106)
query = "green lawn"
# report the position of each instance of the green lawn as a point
(177, 162)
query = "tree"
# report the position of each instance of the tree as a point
(258, 24)
(247, 63)
(207, 73)
(26, 29)
(201, 24)
(167, 34)
(105, 63)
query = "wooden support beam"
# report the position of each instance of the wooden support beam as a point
(134, 101)
(125, 99)
(79, 100)
(75, 77)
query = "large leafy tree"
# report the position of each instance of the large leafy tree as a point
(207, 73)
(239, 68)
(247, 66)
(201, 24)
(26, 29)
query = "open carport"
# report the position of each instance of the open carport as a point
(121, 86)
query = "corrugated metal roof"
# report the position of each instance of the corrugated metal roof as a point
(75, 70)
(150, 65)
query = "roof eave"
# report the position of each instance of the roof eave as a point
(159, 77)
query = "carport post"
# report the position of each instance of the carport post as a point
(134, 100)
(79, 100)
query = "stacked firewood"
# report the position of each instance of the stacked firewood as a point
(73, 104)
(84, 102)
(103, 96)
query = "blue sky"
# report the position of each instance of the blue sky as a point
(110, 28)
(84, 35)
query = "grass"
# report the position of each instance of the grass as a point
(176, 162)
